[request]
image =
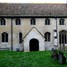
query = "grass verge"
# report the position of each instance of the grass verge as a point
(28, 59)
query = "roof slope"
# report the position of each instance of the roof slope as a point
(13, 9)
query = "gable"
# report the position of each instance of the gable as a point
(34, 33)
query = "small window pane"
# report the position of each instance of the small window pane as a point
(18, 21)
(47, 36)
(33, 21)
(62, 37)
(2, 21)
(47, 21)
(20, 37)
(4, 37)
(61, 22)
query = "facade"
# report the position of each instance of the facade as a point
(33, 27)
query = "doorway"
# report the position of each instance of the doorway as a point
(34, 45)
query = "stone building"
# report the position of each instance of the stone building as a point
(33, 27)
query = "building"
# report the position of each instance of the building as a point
(33, 27)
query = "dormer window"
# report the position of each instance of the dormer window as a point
(18, 21)
(47, 21)
(33, 21)
(61, 22)
(2, 21)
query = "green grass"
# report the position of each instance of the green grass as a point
(28, 59)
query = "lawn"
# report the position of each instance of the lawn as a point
(28, 59)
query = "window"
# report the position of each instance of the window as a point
(33, 21)
(47, 21)
(61, 22)
(20, 37)
(2, 21)
(4, 37)
(18, 21)
(63, 37)
(47, 36)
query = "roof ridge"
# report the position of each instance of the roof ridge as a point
(36, 3)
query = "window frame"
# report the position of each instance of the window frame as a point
(61, 21)
(17, 21)
(47, 21)
(47, 37)
(4, 37)
(63, 37)
(2, 21)
(20, 37)
(33, 21)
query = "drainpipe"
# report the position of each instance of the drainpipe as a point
(55, 36)
(57, 31)
(12, 34)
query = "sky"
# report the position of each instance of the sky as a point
(33, 1)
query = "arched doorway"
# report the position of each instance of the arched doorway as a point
(34, 45)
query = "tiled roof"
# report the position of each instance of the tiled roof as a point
(14, 9)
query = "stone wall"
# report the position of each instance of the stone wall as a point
(25, 27)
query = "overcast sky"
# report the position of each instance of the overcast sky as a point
(33, 1)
